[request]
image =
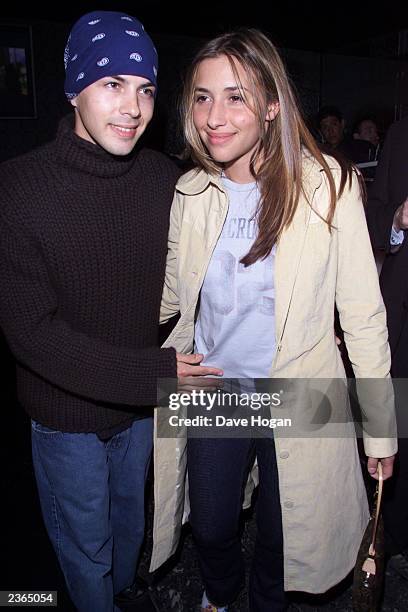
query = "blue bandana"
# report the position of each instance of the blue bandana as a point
(106, 43)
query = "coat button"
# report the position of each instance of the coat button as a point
(288, 504)
(284, 455)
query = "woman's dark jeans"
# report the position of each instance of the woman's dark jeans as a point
(217, 473)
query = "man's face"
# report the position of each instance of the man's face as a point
(332, 130)
(114, 112)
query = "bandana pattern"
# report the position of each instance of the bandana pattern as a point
(107, 43)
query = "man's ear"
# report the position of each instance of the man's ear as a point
(73, 101)
(273, 110)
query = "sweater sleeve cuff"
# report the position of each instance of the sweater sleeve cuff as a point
(166, 368)
(167, 365)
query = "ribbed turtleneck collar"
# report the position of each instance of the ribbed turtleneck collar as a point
(87, 158)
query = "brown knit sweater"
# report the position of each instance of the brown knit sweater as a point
(83, 240)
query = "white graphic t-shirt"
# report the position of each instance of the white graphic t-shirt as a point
(235, 328)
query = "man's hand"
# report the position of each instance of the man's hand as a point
(401, 217)
(188, 365)
(387, 465)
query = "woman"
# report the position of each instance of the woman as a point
(266, 236)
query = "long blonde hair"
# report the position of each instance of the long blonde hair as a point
(277, 162)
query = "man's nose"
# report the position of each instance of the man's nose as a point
(130, 105)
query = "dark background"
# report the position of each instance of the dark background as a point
(317, 25)
(352, 54)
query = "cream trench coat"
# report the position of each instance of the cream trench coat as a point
(323, 499)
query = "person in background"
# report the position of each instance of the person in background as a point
(331, 125)
(387, 214)
(366, 129)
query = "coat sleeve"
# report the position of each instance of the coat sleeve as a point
(44, 342)
(363, 320)
(170, 298)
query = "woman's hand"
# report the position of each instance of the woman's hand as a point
(387, 465)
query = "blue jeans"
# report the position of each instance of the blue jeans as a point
(217, 471)
(92, 500)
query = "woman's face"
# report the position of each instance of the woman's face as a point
(226, 124)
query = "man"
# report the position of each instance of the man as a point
(83, 239)
(387, 213)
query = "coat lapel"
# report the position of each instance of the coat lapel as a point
(290, 247)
